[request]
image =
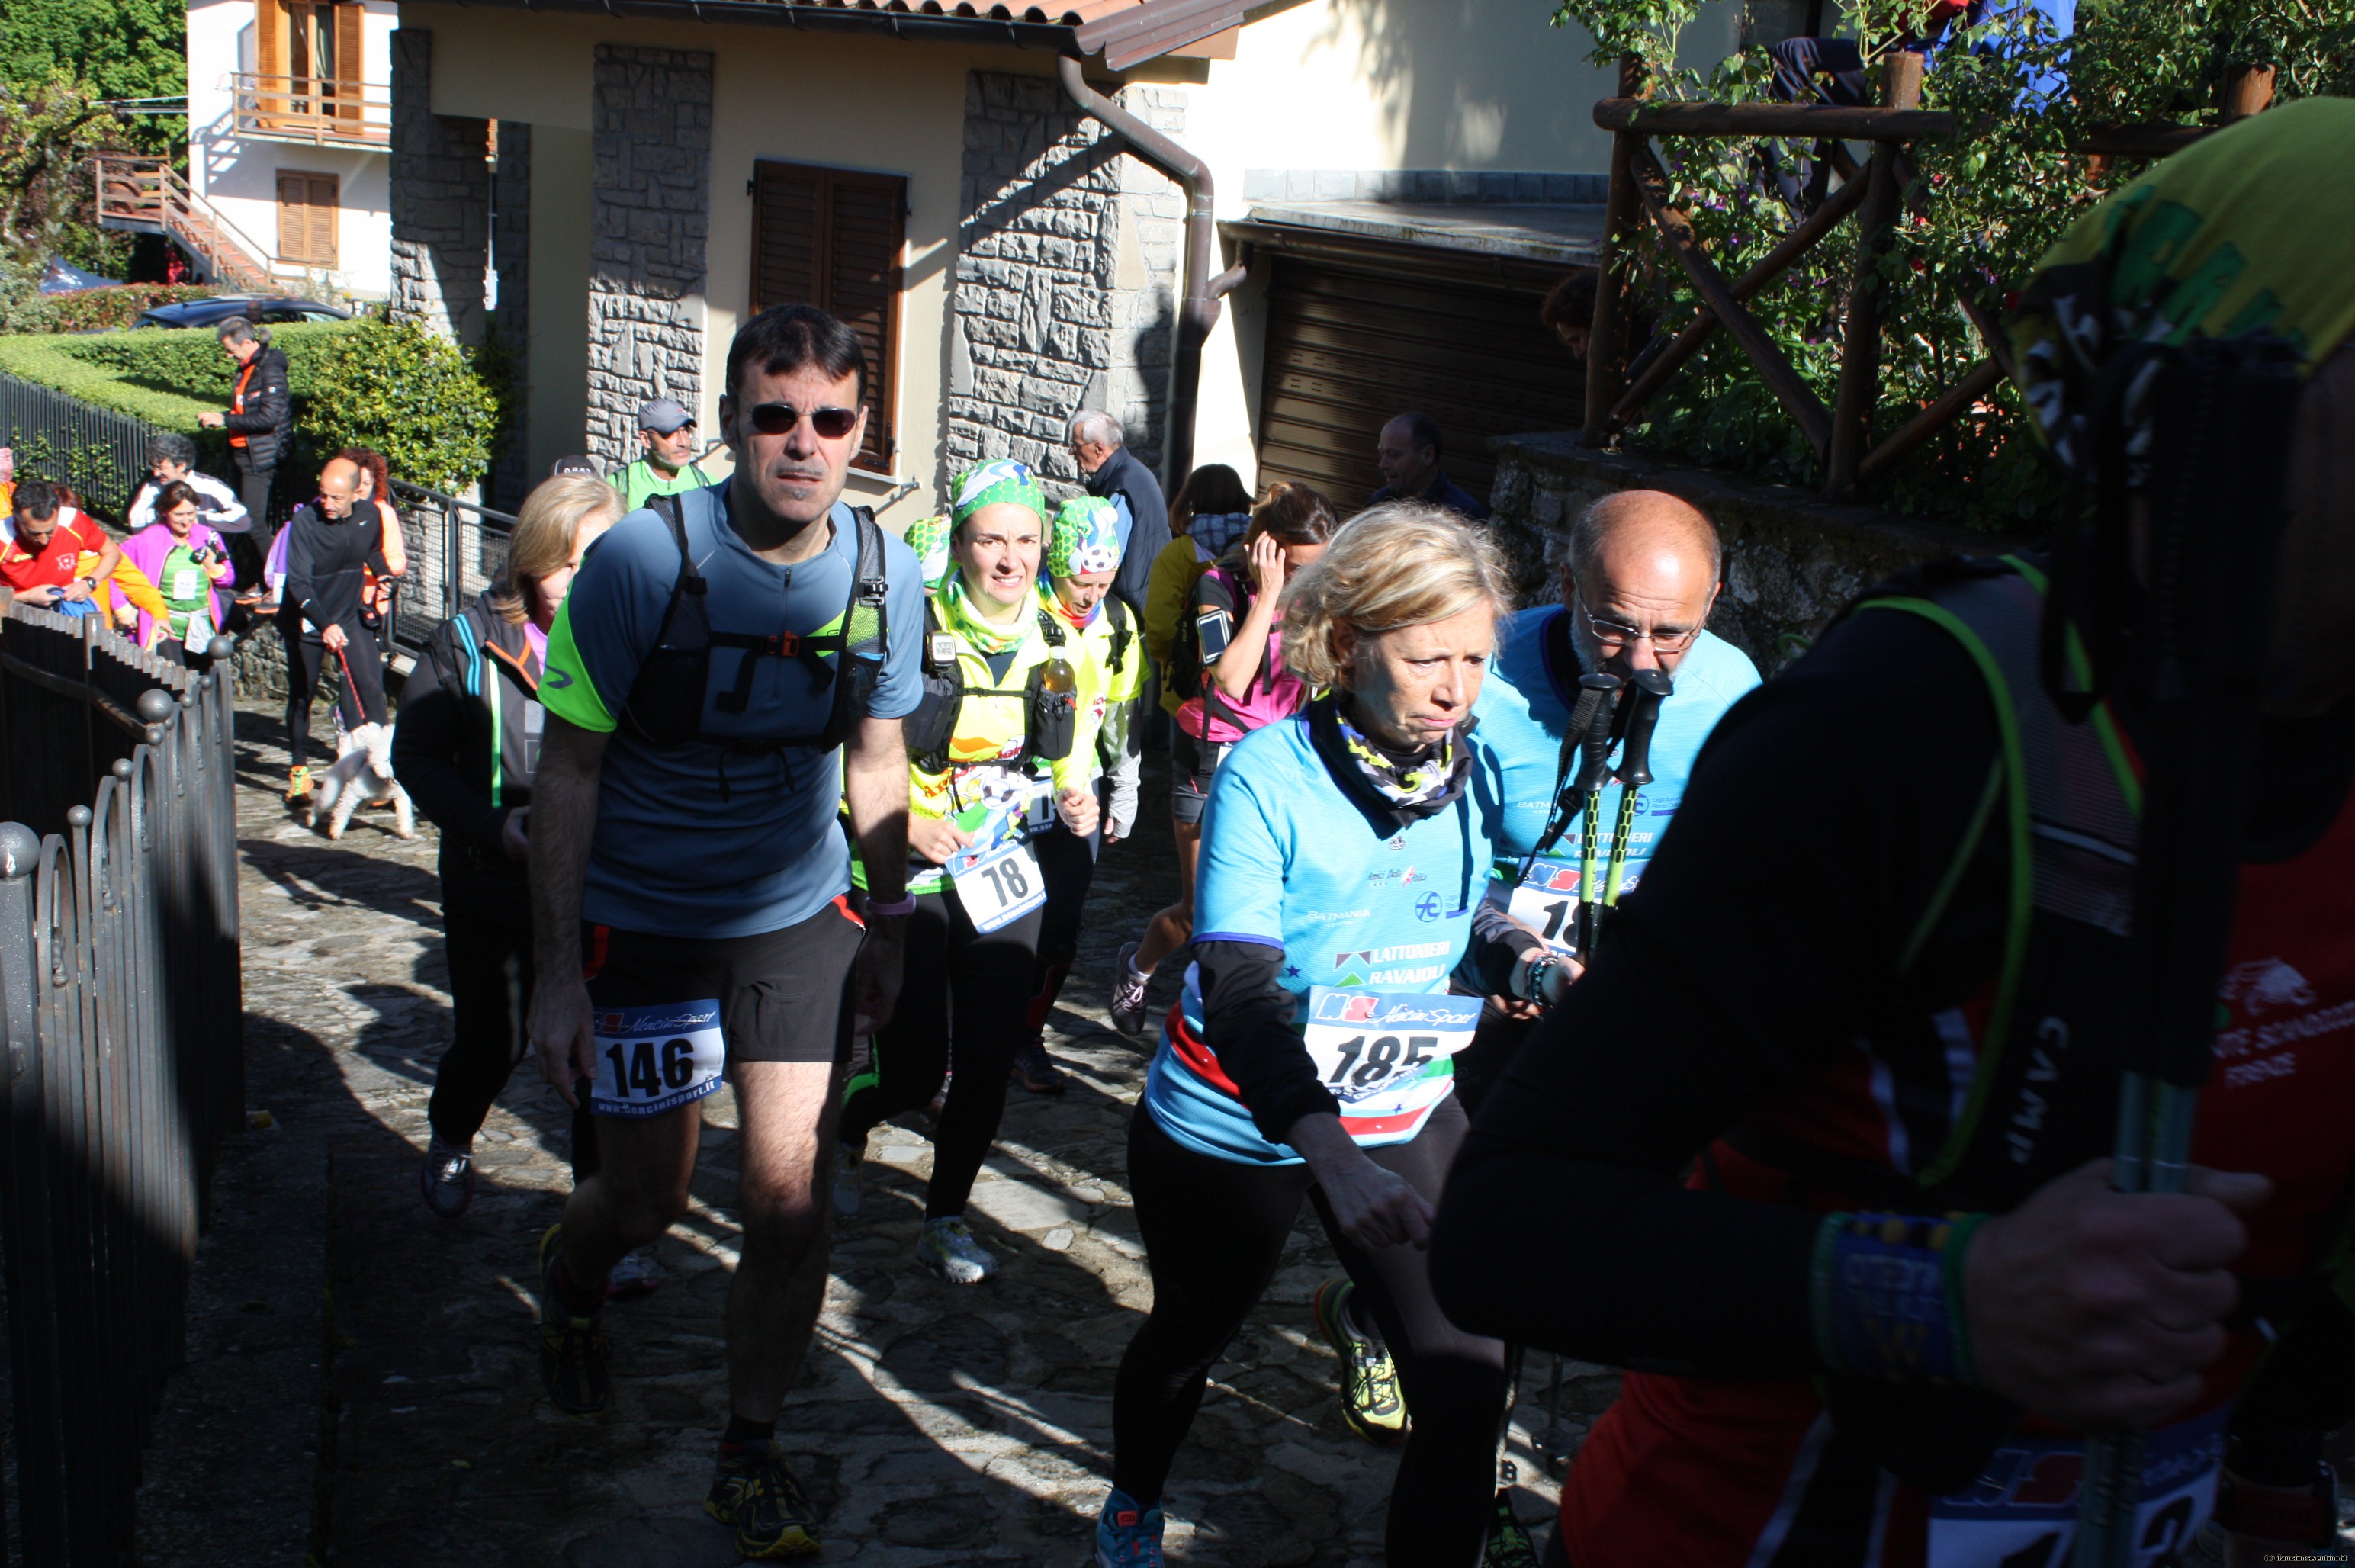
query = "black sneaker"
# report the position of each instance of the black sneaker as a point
(575, 1360)
(1128, 988)
(446, 1181)
(755, 1494)
(1035, 1071)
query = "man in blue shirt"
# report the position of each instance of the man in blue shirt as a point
(1409, 457)
(730, 669)
(1640, 570)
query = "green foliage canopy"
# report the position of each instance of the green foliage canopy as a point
(1985, 207)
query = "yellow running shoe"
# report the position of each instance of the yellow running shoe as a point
(1370, 1401)
(755, 1494)
(298, 786)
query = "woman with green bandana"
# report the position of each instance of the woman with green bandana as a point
(1082, 559)
(1002, 750)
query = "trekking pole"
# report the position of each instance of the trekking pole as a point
(1652, 688)
(2224, 431)
(1593, 772)
(1567, 779)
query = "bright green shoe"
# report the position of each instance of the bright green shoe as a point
(1508, 1544)
(755, 1495)
(575, 1360)
(1370, 1401)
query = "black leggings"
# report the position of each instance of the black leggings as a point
(1067, 863)
(486, 932)
(308, 658)
(901, 1069)
(1214, 1232)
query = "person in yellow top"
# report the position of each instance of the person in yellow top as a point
(1082, 561)
(1001, 750)
(1210, 513)
(124, 593)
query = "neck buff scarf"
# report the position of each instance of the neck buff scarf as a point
(1086, 538)
(953, 602)
(2204, 245)
(929, 538)
(1214, 533)
(1065, 614)
(1405, 779)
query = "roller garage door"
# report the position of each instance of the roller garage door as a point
(1348, 346)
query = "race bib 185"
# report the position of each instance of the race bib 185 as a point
(1369, 1044)
(656, 1059)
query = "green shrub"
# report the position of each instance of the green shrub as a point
(188, 361)
(398, 387)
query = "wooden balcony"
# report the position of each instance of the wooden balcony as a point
(146, 196)
(310, 111)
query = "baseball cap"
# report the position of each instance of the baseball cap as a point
(663, 416)
(578, 463)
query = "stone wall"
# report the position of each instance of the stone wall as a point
(651, 129)
(1792, 561)
(511, 316)
(441, 200)
(1067, 279)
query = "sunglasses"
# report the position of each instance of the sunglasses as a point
(778, 419)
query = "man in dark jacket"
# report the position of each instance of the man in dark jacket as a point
(329, 548)
(1409, 457)
(1113, 471)
(260, 411)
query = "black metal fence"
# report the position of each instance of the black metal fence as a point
(121, 1014)
(98, 452)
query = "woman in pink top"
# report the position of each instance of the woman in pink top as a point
(1233, 639)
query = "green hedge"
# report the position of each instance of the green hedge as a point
(166, 376)
(100, 310)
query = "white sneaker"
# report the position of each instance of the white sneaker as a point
(948, 1249)
(847, 1160)
(636, 1276)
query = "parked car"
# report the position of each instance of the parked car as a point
(253, 307)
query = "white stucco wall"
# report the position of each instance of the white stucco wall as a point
(237, 175)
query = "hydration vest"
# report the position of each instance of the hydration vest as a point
(1050, 719)
(667, 701)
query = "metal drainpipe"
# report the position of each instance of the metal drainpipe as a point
(1198, 313)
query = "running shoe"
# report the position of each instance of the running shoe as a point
(754, 1494)
(1127, 1536)
(948, 1249)
(1035, 1071)
(1128, 989)
(1508, 1544)
(446, 1180)
(575, 1360)
(847, 1159)
(298, 786)
(1370, 1401)
(635, 1277)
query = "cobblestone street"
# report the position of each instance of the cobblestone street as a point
(361, 1386)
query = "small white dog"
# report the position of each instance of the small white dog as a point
(362, 775)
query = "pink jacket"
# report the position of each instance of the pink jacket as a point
(147, 549)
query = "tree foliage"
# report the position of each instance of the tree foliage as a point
(1984, 208)
(409, 394)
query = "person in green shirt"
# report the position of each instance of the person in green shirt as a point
(668, 432)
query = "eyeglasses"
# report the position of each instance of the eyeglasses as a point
(1618, 635)
(778, 419)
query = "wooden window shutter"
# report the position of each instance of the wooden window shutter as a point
(294, 220)
(324, 208)
(269, 41)
(832, 238)
(348, 63)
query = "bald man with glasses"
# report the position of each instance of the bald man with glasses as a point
(1640, 570)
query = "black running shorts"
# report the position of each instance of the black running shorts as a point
(667, 1009)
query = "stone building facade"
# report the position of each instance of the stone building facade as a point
(512, 479)
(1067, 276)
(441, 200)
(651, 129)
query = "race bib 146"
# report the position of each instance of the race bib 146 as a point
(657, 1059)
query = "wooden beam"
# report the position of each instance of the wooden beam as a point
(1771, 266)
(1904, 123)
(1860, 378)
(1998, 342)
(1983, 379)
(1676, 228)
(1606, 352)
(2139, 141)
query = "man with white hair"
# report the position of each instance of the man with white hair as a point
(1113, 472)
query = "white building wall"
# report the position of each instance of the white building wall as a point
(237, 175)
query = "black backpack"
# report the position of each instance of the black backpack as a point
(1051, 723)
(665, 703)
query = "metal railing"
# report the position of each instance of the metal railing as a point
(306, 108)
(101, 453)
(456, 548)
(121, 1015)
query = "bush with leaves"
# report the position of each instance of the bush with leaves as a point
(396, 387)
(1984, 208)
